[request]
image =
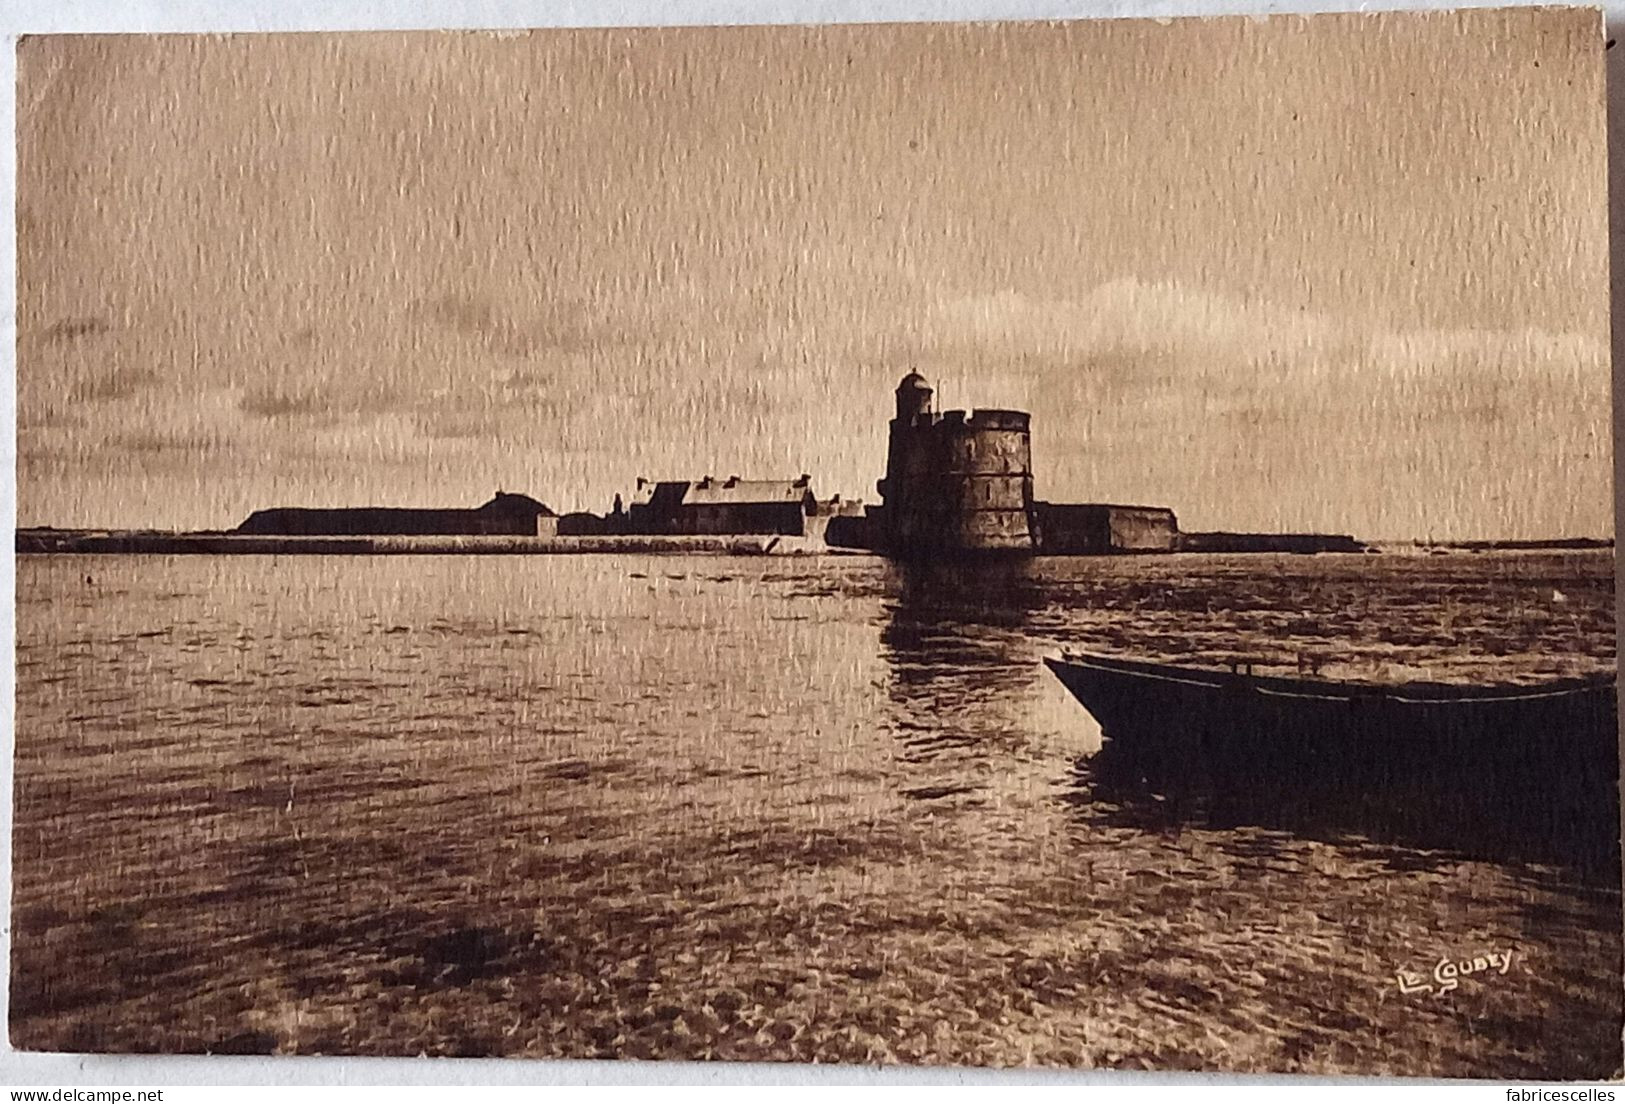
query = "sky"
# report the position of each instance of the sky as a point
(1336, 273)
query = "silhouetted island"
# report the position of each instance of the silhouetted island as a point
(958, 484)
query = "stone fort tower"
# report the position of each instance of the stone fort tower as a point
(956, 483)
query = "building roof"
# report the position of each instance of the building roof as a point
(668, 493)
(1103, 506)
(501, 503)
(732, 491)
(504, 502)
(914, 380)
(735, 491)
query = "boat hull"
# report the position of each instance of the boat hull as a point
(1540, 761)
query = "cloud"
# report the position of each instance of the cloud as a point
(551, 322)
(118, 383)
(1247, 413)
(478, 318)
(273, 402)
(1131, 332)
(1238, 412)
(75, 329)
(166, 440)
(477, 423)
(321, 397)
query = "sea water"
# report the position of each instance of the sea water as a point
(811, 809)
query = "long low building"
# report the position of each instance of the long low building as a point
(711, 507)
(505, 515)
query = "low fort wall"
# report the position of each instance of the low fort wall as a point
(1303, 543)
(211, 544)
(1099, 529)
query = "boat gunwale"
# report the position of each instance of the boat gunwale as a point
(1421, 692)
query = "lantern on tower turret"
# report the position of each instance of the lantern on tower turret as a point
(913, 398)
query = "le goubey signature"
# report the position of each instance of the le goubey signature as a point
(1447, 974)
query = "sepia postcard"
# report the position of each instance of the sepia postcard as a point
(1079, 544)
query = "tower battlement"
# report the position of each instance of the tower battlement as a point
(1017, 420)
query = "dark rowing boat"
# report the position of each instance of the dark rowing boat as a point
(1548, 751)
(1125, 695)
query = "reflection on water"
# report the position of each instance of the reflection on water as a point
(749, 809)
(964, 665)
(1476, 816)
(954, 643)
